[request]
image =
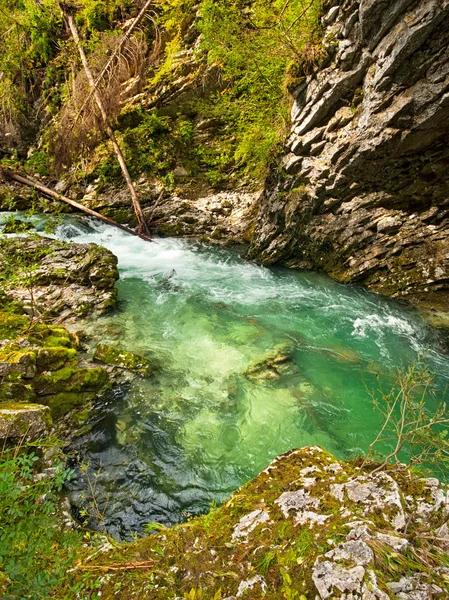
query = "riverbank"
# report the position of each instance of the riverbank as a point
(309, 526)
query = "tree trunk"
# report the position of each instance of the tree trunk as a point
(142, 226)
(48, 192)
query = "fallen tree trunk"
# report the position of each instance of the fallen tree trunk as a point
(52, 194)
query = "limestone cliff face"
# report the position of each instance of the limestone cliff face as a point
(362, 191)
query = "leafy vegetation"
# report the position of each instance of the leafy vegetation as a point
(32, 563)
(414, 426)
(255, 46)
(246, 55)
(38, 61)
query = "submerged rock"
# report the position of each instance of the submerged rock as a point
(308, 526)
(123, 359)
(273, 363)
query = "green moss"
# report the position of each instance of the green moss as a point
(50, 336)
(16, 390)
(71, 379)
(123, 359)
(54, 358)
(121, 215)
(12, 326)
(62, 403)
(80, 417)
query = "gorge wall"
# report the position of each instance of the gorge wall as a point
(362, 189)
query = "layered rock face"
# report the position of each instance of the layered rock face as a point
(362, 191)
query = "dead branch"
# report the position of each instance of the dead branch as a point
(146, 564)
(52, 194)
(114, 55)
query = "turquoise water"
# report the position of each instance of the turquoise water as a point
(209, 420)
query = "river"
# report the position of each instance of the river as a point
(211, 417)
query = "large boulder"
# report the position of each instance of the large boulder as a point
(308, 527)
(39, 362)
(59, 278)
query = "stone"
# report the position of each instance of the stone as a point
(74, 279)
(295, 501)
(414, 587)
(273, 363)
(356, 551)
(249, 584)
(29, 420)
(397, 543)
(378, 491)
(248, 523)
(310, 518)
(330, 578)
(123, 359)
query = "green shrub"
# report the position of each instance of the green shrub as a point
(35, 552)
(37, 163)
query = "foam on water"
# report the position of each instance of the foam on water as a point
(200, 428)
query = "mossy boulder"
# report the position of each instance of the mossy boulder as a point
(71, 380)
(54, 358)
(30, 420)
(67, 278)
(41, 361)
(64, 402)
(123, 359)
(15, 362)
(308, 527)
(17, 391)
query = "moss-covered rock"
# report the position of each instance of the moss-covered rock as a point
(66, 278)
(17, 391)
(54, 358)
(15, 362)
(41, 361)
(30, 420)
(62, 403)
(308, 527)
(12, 325)
(71, 380)
(123, 359)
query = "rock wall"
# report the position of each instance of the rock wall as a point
(362, 190)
